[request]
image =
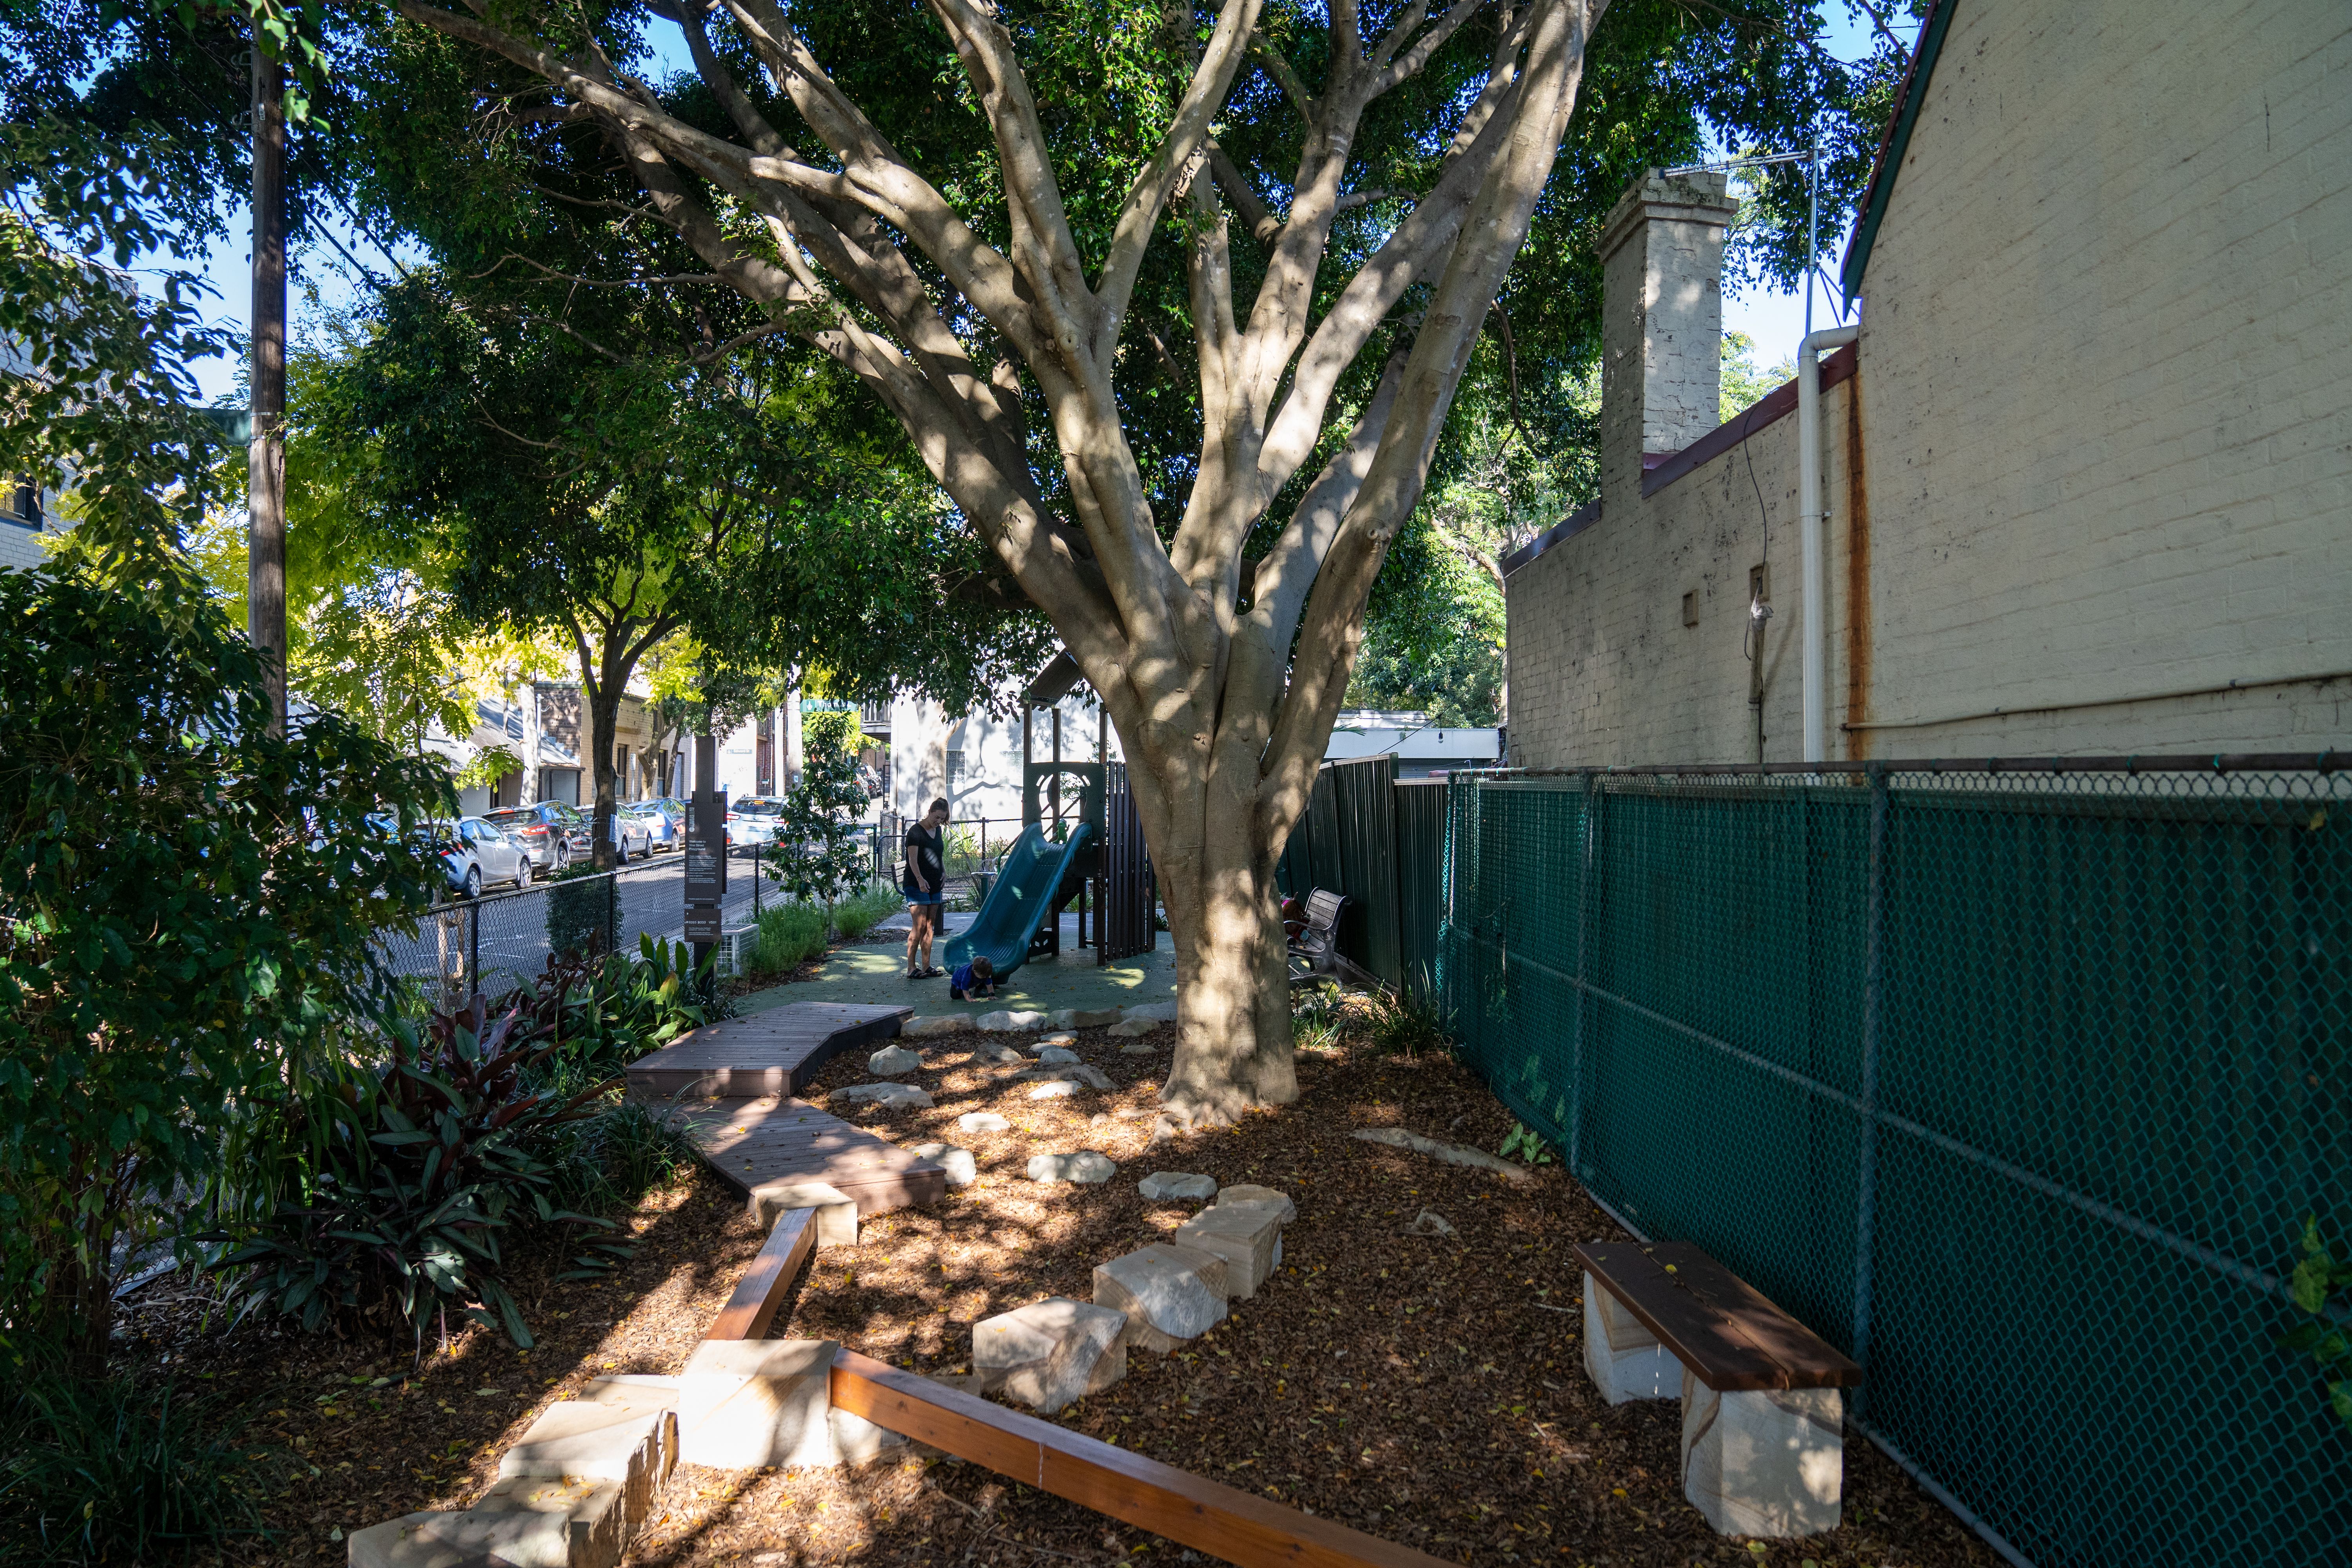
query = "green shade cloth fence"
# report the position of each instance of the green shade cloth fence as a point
(2015, 1086)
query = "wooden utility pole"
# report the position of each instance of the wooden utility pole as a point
(265, 611)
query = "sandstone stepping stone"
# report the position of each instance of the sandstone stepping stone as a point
(883, 1094)
(1429, 1222)
(1056, 1056)
(1163, 1185)
(1244, 1235)
(1157, 1012)
(1138, 1048)
(747, 1403)
(1170, 1293)
(1060, 1040)
(649, 1391)
(836, 1211)
(581, 1528)
(1073, 1072)
(592, 1515)
(961, 1169)
(1128, 1028)
(1084, 1017)
(1053, 1088)
(981, 1121)
(1007, 1023)
(1445, 1153)
(1251, 1192)
(588, 1440)
(1086, 1167)
(892, 1060)
(934, 1024)
(1050, 1353)
(1007, 1053)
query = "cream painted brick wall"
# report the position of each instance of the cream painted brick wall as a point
(1603, 670)
(20, 547)
(2106, 398)
(2107, 381)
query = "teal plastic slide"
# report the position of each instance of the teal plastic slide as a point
(1020, 901)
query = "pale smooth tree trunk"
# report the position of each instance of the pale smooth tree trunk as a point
(1223, 673)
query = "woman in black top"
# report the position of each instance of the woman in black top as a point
(923, 877)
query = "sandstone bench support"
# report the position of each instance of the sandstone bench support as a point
(1232, 1525)
(1763, 1419)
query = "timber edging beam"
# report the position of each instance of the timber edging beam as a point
(768, 1282)
(1222, 1521)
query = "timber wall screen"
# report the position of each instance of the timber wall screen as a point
(2016, 1087)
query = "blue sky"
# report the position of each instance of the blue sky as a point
(1773, 319)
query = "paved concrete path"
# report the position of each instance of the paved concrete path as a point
(874, 972)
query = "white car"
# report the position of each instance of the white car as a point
(752, 822)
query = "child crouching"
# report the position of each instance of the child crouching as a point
(972, 980)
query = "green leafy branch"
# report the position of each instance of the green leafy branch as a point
(2322, 1286)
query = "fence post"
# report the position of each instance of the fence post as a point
(611, 911)
(1867, 1173)
(1587, 879)
(474, 948)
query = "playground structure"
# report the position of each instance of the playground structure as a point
(1081, 841)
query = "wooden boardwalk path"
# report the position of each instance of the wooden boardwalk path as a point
(774, 1052)
(733, 1082)
(776, 1138)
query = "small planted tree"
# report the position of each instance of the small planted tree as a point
(815, 855)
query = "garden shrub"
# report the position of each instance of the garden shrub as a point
(861, 912)
(391, 1187)
(580, 911)
(188, 905)
(789, 935)
(416, 1168)
(120, 1470)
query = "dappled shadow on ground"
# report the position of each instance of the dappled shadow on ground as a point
(358, 1431)
(1429, 1391)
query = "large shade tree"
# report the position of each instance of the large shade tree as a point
(1187, 403)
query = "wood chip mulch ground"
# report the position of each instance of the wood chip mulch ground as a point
(1428, 1389)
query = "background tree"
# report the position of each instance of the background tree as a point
(814, 856)
(1005, 258)
(617, 499)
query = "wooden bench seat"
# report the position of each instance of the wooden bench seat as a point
(1763, 1419)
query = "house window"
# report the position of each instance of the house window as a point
(24, 506)
(955, 768)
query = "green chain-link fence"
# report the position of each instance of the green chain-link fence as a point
(2016, 1086)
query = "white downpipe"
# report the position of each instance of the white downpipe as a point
(1812, 539)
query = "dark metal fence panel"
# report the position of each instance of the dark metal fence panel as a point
(2015, 1085)
(1363, 796)
(1128, 926)
(1420, 808)
(500, 939)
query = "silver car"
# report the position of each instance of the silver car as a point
(475, 852)
(632, 834)
(664, 830)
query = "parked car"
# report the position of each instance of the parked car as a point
(665, 821)
(550, 832)
(632, 834)
(752, 822)
(474, 852)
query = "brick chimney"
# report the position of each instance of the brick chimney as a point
(1661, 333)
